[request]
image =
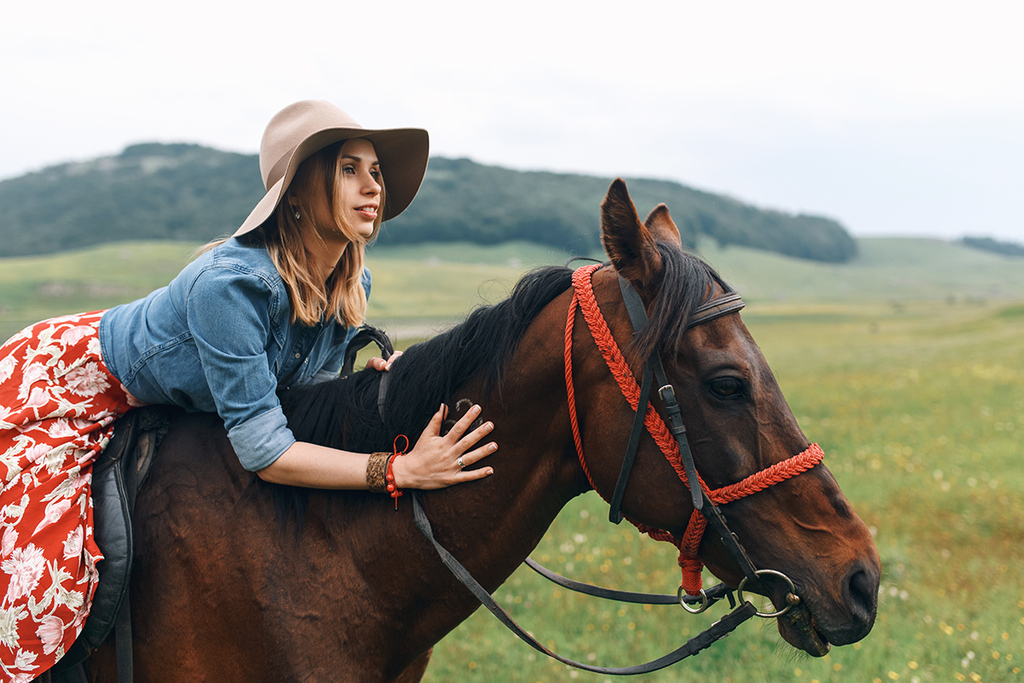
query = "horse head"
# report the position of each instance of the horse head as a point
(737, 423)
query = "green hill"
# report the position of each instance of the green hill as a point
(463, 200)
(193, 193)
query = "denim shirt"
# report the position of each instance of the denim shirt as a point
(218, 339)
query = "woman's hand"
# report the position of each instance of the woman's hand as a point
(381, 365)
(438, 461)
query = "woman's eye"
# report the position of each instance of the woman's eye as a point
(375, 174)
(348, 170)
(726, 387)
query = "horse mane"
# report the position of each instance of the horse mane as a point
(343, 413)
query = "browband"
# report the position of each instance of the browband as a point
(716, 308)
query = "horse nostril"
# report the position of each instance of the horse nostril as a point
(861, 595)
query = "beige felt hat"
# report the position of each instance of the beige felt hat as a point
(304, 128)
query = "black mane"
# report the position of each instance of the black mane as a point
(343, 413)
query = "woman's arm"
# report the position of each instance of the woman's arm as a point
(431, 464)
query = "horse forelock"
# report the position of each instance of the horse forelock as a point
(684, 284)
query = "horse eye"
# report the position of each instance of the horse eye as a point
(726, 387)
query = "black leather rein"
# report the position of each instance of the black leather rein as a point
(715, 632)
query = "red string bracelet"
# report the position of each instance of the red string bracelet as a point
(393, 490)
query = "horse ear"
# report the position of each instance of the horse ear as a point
(627, 241)
(662, 226)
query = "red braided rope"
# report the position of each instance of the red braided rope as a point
(581, 280)
(689, 545)
(571, 392)
(656, 534)
(759, 481)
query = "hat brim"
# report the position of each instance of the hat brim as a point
(402, 153)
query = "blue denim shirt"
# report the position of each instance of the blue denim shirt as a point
(218, 339)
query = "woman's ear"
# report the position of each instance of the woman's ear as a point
(293, 205)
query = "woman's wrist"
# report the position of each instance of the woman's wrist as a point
(400, 473)
(376, 472)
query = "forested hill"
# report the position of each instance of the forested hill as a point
(189, 192)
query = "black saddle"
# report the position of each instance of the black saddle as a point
(118, 474)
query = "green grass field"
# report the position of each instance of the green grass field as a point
(906, 366)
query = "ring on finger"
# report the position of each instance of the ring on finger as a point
(461, 464)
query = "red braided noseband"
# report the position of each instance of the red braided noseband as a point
(584, 298)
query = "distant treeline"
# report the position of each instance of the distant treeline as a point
(189, 192)
(989, 244)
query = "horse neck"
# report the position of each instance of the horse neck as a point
(493, 524)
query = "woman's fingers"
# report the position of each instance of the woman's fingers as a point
(433, 427)
(470, 458)
(439, 461)
(465, 422)
(471, 439)
(380, 365)
(474, 474)
(462, 441)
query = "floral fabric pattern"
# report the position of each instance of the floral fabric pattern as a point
(57, 404)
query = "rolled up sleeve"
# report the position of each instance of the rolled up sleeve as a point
(262, 438)
(229, 316)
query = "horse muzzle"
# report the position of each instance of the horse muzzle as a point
(819, 622)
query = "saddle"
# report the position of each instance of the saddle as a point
(118, 473)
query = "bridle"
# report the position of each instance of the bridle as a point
(672, 441)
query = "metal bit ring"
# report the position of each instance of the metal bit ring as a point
(789, 582)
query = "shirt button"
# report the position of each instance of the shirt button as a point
(298, 355)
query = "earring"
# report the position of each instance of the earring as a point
(297, 216)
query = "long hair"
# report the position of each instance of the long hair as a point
(316, 195)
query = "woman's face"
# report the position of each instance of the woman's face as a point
(361, 189)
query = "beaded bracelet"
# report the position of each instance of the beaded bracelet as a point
(389, 475)
(392, 488)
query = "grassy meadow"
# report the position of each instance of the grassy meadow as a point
(905, 365)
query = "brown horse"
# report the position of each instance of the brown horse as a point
(342, 587)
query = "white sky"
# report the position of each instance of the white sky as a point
(892, 117)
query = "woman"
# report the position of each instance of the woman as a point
(274, 306)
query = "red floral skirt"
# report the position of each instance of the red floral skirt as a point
(57, 404)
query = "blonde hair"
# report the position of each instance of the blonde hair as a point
(315, 193)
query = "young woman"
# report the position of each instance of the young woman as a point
(274, 306)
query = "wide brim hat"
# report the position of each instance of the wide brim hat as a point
(304, 128)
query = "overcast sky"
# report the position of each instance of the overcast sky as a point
(895, 118)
